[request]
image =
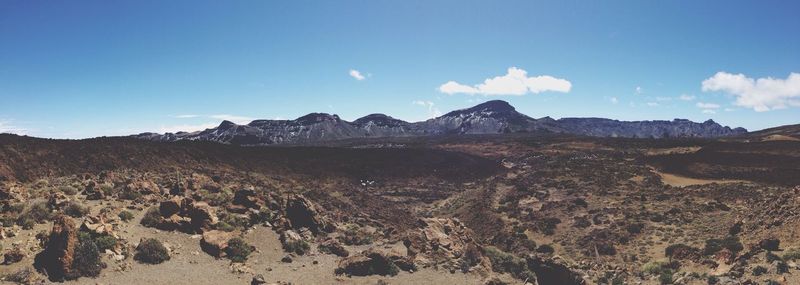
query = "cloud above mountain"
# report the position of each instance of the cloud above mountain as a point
(514, 82)
(356, 75)
(762, 94)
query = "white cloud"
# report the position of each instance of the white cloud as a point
(663, 99)
(762, 94)
(686, 97)
(515, 82)
(709, 111)
(702, 105)
(241, 120)
(185, 116)
(639, 90)
(356, 74)
(186, 128)
(433, 112)
(652, 104)
(614, 100)
(6, 126)
(730, 109)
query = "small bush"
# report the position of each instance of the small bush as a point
(506, 262)
(125, 216)
(545, 248)
(151, 251)
(223, 226)
(771, 256)
(781, 267)
(791, 254)
(37, 212)
(75, 210)
(665, 277)
(22, 276)
(759, 270)
(731, 243)
(238, 250)
(299, 247)
(151, 218)
(354, 235)
(68, 190)
(104, 242)
(654, 267)
(130, 194)
(86, 262)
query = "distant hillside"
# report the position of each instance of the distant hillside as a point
(491, 117)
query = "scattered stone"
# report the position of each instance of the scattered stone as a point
(258, 280)
(215, 242)
(334, 247)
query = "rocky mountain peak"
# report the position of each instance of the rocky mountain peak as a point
(314, 118)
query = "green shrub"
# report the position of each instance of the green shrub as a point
(665, 277)
(223, 226)
(355, 235)
(506, 262)
(38, 212)
(130, 194)
(68, 190)
(299, 247)
(731, 243)
(104, 242)
(107, 189)
(151, 251)
(125, 216)
(87, 261)
(151, 218)
(791, 254)
(75, 210)
(654, 267)
(238, 250)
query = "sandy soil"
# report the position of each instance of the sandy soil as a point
(681, 181)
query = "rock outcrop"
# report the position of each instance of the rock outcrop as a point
(59, 252)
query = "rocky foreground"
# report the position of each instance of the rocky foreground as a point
(542, 210)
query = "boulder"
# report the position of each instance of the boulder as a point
(302, 213)
(369, 262)
(334, 247)
(215, 242)
(170, 207)
(258, 280)
(293, 242)
(248, 198)
(56, 258)
(202, 216)
(438, 240)
(98, 225)
(771, 244)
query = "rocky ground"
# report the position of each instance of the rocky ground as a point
(541, 210)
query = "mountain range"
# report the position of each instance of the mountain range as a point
(491, 117)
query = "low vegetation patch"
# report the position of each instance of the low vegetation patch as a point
(508, 263)
(151, 251)
(238, 250)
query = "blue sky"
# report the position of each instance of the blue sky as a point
(76, 69)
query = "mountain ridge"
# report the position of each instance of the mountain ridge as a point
(490, 117)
